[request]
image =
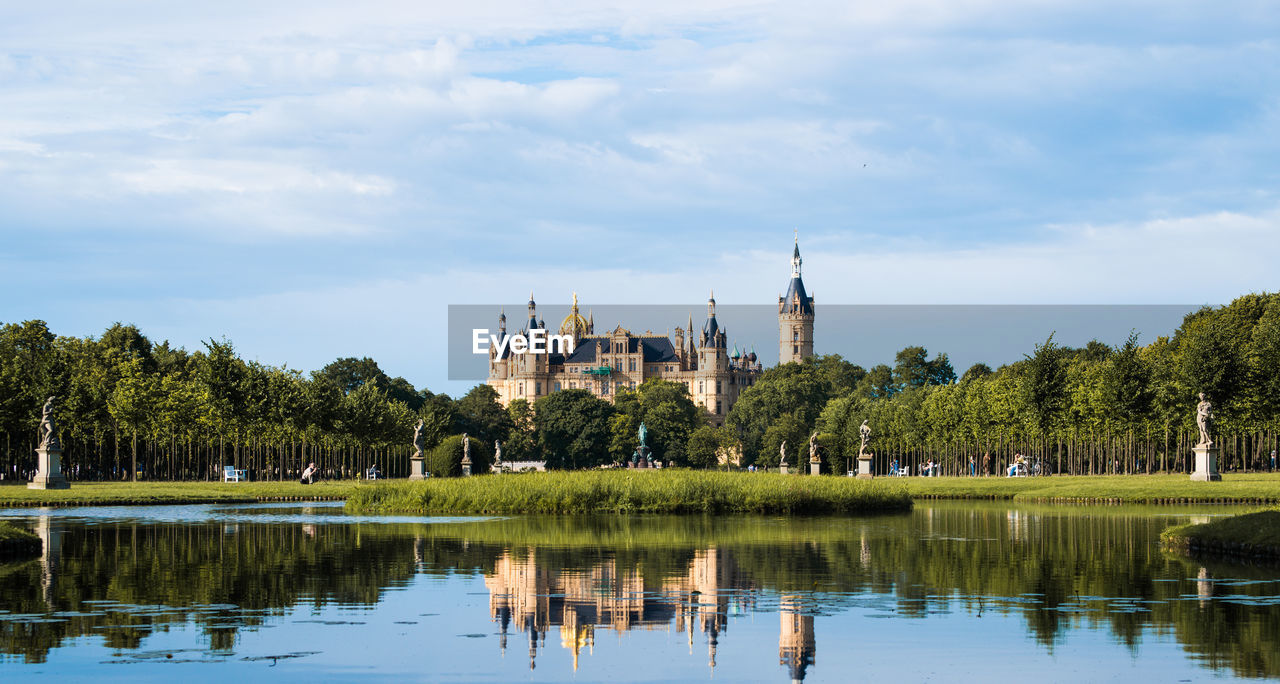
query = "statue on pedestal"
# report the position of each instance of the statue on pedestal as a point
(48, 428)
(813, 447)
(497, 454)
(782, 453)
(641, 457)
(1204, 421)
(865, 433)
(49, 454)
(419, 440)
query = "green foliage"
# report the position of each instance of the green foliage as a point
(573, 428)
(706, 444)
(445, 460)
(521, 443)
(787, 428)
(668, 414)
(791, 389)
(913, 368)
(623, 491)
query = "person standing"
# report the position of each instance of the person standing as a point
(986, 464)
(973, 465)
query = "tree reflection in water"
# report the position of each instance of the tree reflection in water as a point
(1059, 569)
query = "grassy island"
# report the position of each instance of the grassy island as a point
(622, 491)
(1251, 534)
(16, 542)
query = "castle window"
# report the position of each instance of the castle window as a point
(522, 388)
(717, 407)
(573, 385)
(795, 335)
(537, 388)
(795, 349)
(668, 369)
(631, 364)
(557, 387)
(701, 388)
(718, 390)
(617, 364)
(604, 386)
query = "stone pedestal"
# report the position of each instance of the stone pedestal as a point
(417, 468)
(864, 467)
(815, 467)
(1206, 464)
(466, 466)
(49, 470)
(782, 468)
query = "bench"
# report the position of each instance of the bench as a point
(231, 474)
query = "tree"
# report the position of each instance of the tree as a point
(877, 383)
(791, 428)
(1043, 384)
(132, 402)
(913, 368)
(666, 410)
(573, 429)
(976, 371)
(521, 443)
(479, 414)
(796, 389)
(705, 445)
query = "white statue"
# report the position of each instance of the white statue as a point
(1204, 421)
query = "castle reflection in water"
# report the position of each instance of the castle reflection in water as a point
(530, 599)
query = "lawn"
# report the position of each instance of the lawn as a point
(1154, 489)
(141, 493)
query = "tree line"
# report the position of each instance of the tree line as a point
(1089, 410)
(129, 406)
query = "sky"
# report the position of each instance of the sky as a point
(313, 180)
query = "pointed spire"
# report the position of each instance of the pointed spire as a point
(795, 258)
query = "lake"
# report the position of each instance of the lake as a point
(952, 591)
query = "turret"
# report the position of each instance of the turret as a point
(795, 316)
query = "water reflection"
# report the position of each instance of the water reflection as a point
(228, 576)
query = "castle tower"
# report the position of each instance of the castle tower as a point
(795, 317)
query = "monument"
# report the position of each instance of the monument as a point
(417, 464)
(782, 457)
(864, 456)
(1206, 453)
(815, 464)
(640, 458)
(49, 454)
(466, 455)
(497, 456)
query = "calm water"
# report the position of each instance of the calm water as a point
(949, 592)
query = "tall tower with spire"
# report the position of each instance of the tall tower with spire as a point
(795, 316)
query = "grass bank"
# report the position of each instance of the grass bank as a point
(144, 493)
(1251, 534)
(16, 542)
(1250, 488)
(620, 491)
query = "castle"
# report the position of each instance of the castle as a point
(605, 363)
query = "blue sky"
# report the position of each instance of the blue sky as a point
(315, 180)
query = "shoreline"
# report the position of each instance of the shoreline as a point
(1163, 490)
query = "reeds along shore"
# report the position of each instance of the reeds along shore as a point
(667, 491)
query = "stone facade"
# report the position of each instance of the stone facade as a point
(605, 363)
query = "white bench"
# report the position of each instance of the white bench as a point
(230, 474)
(903, 471)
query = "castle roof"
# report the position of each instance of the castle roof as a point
(797, 300)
